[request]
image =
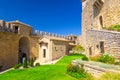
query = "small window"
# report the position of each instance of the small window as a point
(97, 46)
(8, 25)
(90, 51)
(16, 29)
(44, 53)
(101, 21)
(55, 48)
(71, 38)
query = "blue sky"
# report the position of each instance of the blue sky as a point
(55, 16)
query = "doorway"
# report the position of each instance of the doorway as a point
(102, 47)
(16, 29)
(24, 49)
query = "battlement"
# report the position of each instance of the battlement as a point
(42, 33)
(5, 29)
(18, 27)
(15, 27)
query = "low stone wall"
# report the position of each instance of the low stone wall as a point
(95, 68)
(110, 39)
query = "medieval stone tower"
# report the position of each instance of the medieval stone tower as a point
(96, 16)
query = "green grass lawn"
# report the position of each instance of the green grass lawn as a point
(46, 72)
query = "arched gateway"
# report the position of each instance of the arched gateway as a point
(24, 49)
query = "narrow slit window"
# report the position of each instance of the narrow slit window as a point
(44, 53)
(102, 47)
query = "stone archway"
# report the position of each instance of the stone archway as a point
(24, 49)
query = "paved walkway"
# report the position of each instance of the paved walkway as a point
(6, 71)
(51, 62)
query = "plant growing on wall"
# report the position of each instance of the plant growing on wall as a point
(78, 49)
(115, 28)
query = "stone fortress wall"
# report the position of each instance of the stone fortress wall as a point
(8, 50)
(18, 39)
(14, 36)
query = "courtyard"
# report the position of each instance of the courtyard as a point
(44, 72)
(53, 72)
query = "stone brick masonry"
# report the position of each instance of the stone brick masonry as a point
(96, 15)
(111, 40)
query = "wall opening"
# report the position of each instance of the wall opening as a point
(101, 21)
(9, 25)
(24, 49)
(16, 29)
(44, 53)
(1, 68)
(97, 7)
(102, 47)
(90, 51)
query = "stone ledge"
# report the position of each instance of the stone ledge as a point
(104, 31)
(95, 67)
